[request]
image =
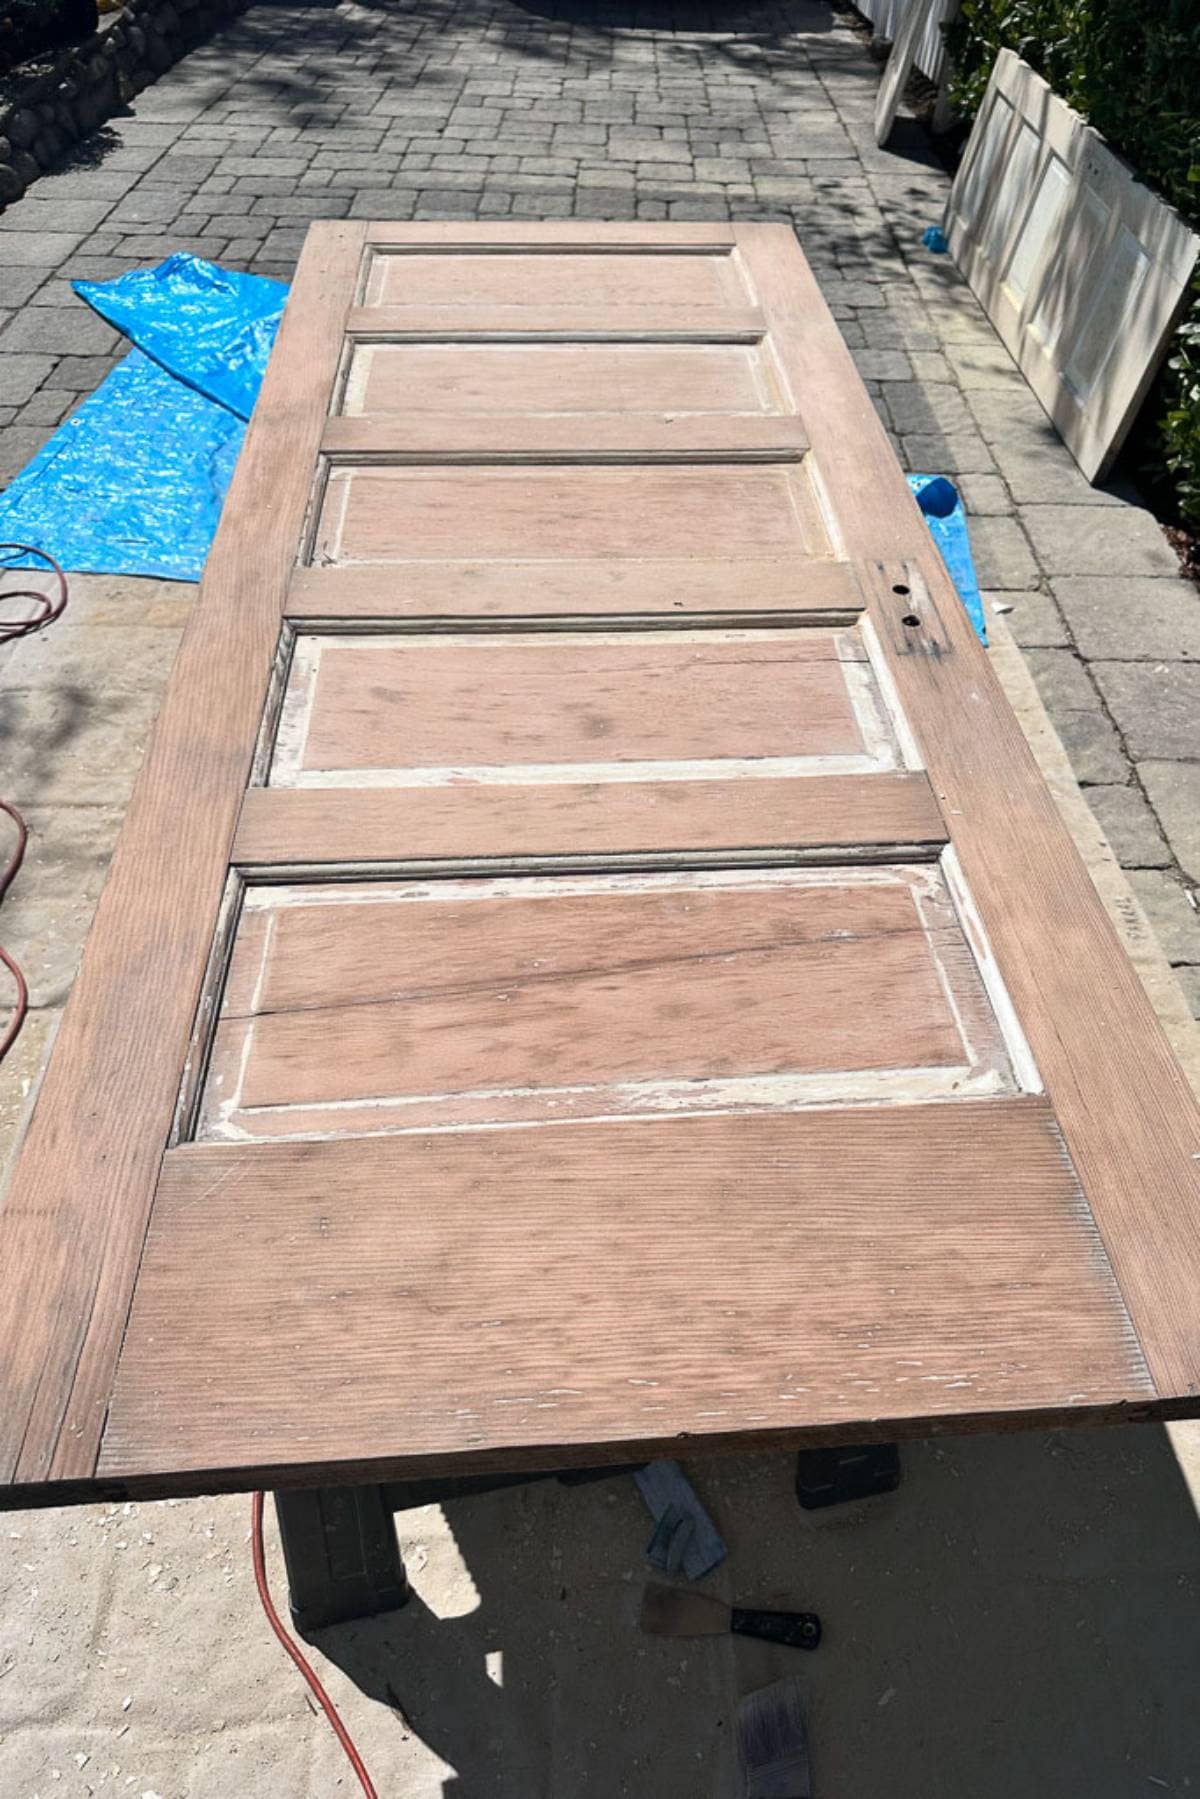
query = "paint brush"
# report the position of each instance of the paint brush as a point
(772, 1749)
(669, 1612)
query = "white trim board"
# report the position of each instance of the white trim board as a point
(888, 16)
(1081, 269)
(914, 30)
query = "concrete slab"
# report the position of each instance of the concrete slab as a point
(1093, 540)
(1156, 706)
(1174, 792)
(1131, 619)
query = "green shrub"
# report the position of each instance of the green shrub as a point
(1132, 68)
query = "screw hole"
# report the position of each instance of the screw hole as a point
(910, 618)
(899, 588)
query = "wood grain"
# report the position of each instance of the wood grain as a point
(545, 238)
(568, 279)
(458, 701)
(376, 514)
(588, 821)
(74, 1218)
(518, 323)
(1129, 1117)
(590, 437)
(516, 1296)
(518, 1001)
(596, 587)
(398, 380)
(793, 1310)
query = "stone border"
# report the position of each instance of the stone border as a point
(89, 81)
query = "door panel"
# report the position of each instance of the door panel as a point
(568, 279)
(440, 514)
(473, 1003)
(389, 710)
(566, 378)
(585, 882)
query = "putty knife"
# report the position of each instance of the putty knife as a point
(669, 1612)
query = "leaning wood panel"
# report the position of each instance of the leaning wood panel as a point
(75, 1214)
(616, 1290)
(1129, 1117)
(589, 821)
(588, 587)
(1082, 269)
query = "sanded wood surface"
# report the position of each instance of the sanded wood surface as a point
(583, 821)
(623, 989)
(1128, 1115)
(628, 379)
(399, 709)
(590, 438)
(584, 587)
(74, 1217)
(665, 323)
(568, 279)
(467, 1003)
(647, 1288)
(374, 513)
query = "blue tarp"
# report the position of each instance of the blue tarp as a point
(939, 501)
(210, 327)
(133, 483)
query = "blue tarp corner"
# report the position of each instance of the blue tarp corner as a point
(134, 481)
(943, 509)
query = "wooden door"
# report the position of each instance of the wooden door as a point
(1082, 270)
(591, 964)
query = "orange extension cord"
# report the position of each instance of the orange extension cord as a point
(293, 1649)
(47, 607)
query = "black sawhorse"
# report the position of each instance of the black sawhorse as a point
(343, 1560)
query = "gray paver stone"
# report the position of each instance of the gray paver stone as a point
(21, 375)
(1100, 540)
(959, 453)
(60, 331)
(984, 495)
(34, 213)
(1156, 706)
(37, 249)
(1033, 618)
(1070, 698)
(1165, 901)
(1002, 555)
(1130, 826)
(1132, 619)
(1174, 790)
(1189, 981)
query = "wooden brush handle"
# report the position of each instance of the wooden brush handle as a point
(800, 1630)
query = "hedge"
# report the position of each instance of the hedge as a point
(1132, 68)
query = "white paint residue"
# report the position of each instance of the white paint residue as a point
(1025, 1068)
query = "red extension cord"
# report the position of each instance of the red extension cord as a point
(293, 1649)
(47, 607)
